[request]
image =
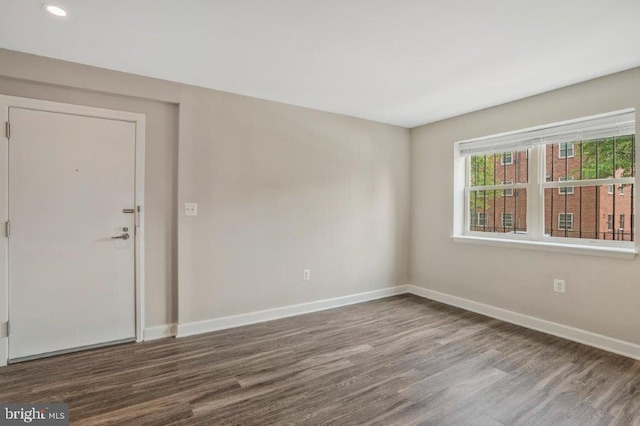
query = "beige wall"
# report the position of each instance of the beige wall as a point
(603, 295)
(279, 189)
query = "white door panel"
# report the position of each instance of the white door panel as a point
(70, 284)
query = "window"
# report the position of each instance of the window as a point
(565, 221)
(565, 150)
(621, 190)
(507, 220)
(530, 197)
(565, 189)
(622, 221)
(509, 191)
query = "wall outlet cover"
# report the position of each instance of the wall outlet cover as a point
(190, 209)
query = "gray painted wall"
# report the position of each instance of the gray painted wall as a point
(280, 188)
(603, 295)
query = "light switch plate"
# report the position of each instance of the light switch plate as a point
(190, 209)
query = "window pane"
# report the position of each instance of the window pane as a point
(591, 212)
(493, 211)
(592, 159)
(566, 189)
(566, 150)
(495, 169)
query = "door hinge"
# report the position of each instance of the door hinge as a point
(7, 129)
(7, 228)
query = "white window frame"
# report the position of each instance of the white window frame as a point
(503, 216)
(610, 222)
(568, 190)
(508, 192)
(502, 158)
(566, 150)
(535, 238)
(565, 228)
(484, 219)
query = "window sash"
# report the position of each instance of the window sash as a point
(555, 184)
(565, 221)
(568, 190)
(589, 182)
(503, 158)
(508, 192)
(506, 220)
(618, 123)
(566, 150)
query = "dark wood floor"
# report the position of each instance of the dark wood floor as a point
(396, 361)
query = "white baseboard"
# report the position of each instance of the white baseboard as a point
(589, 338)
(599, 341)
(159, 332)
(199, 327)
(4, 351)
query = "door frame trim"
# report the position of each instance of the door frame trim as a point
(36, 104)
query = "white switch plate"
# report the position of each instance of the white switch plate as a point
(306, 275)
(190, 209)
(558, 286)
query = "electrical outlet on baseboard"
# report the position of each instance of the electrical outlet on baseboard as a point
(306, 275)
(559, 285)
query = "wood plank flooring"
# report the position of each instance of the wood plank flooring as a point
(402, 360)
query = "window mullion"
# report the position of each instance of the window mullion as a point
(535, 217)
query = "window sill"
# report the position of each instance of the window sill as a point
(612, 252)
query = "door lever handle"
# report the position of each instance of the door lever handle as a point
(124, 236)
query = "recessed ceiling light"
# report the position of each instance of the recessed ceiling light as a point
(55, 10)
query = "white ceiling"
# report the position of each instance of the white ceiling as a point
(405, 62)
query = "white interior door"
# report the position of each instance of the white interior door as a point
(71, 285)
